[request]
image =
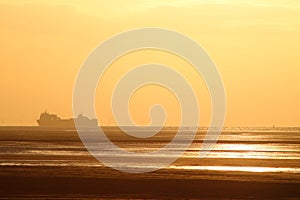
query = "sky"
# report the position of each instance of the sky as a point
(254, 44)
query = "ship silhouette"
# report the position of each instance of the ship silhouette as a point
(52, 120)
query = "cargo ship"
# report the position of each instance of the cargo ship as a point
(51, 120)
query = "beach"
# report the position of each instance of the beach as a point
(53, 164)
(128, 186)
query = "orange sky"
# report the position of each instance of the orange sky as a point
(255, 45)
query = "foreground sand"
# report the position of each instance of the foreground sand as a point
(49, 182)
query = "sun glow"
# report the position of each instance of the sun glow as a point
(255, 45)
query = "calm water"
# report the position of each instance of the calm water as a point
(253, 150)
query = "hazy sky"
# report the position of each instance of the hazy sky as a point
(255, 45)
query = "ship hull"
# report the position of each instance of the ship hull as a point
(67, 123)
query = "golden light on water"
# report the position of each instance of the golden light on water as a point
(240, 168)
(243, 147)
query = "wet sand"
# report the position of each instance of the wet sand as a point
(92, 181)
(53, 182)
